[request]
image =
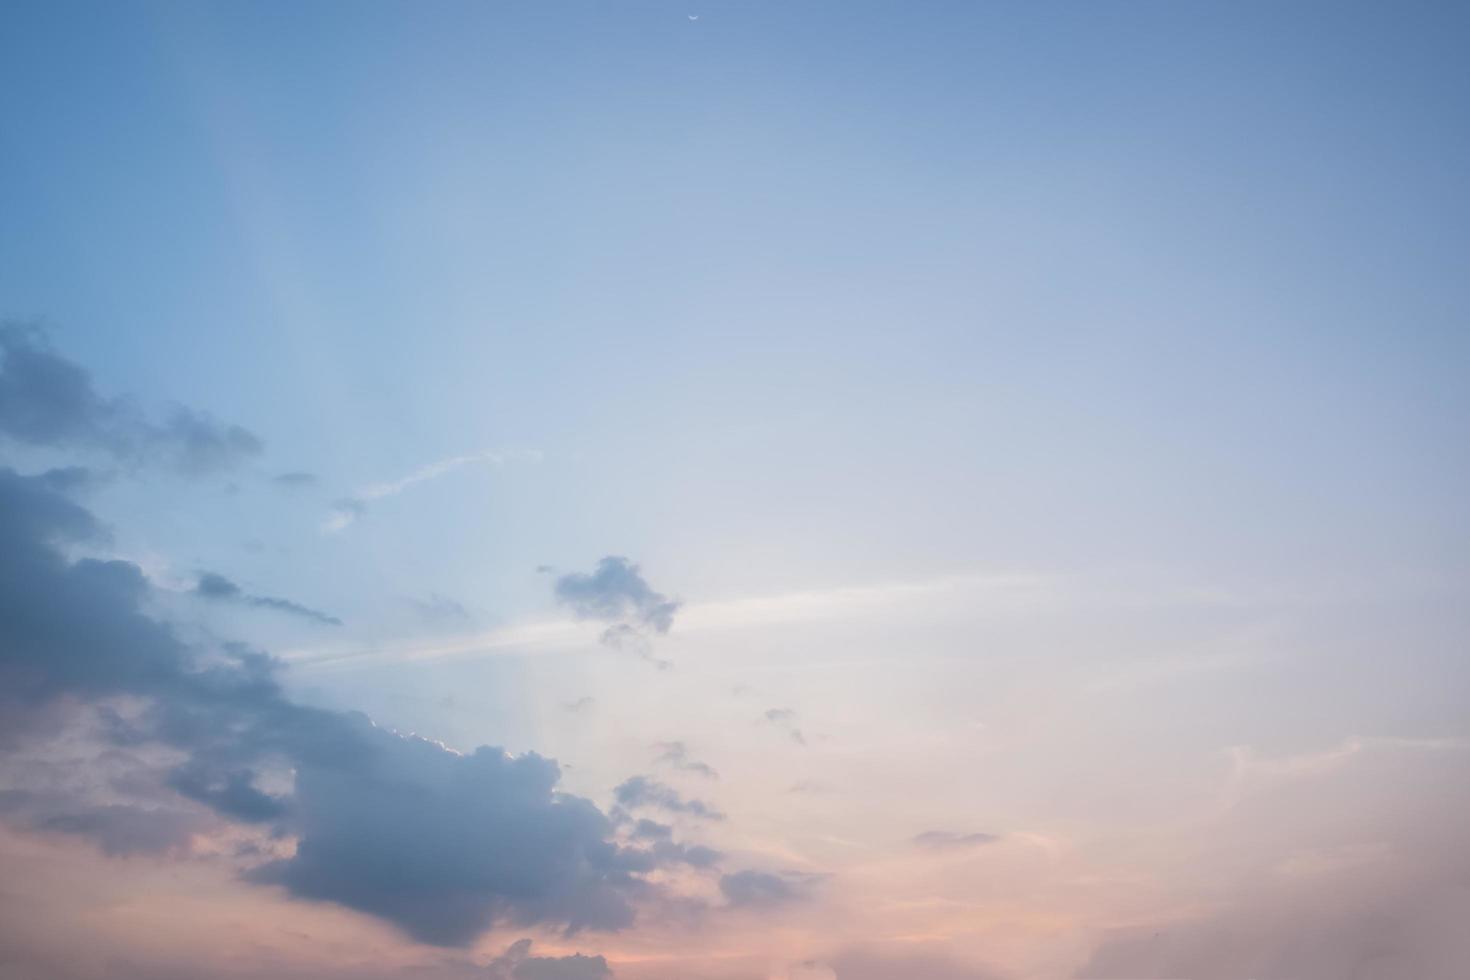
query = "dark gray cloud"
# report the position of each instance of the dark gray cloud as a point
(616, 591)
(212, 585)
(295, 480)
(760, 888)
(640, 791)
(676, 756)
(48, 401)
(944, 840)
(440, 844)
(516, 963)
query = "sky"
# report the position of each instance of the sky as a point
(734, 490)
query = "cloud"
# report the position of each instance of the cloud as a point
(212, 585)
(48, 401)
(745, 889)
(120, 830)
(943, 840)
(438, 610)
(1346, 862)
(346, 511)
(676, 756)
(516, 963)
(440, 844)
(1390, 934)
(626, 637)
(443, 844)
(616, 592)
(873, 964)
(640, 791)
(668, 851)
(785, 719)
(295, 480)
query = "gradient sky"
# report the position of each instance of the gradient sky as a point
(962, 491)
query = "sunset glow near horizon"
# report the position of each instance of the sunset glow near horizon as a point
(737, 490)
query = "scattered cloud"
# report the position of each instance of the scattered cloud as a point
(516, 963)
(756, 889)
(439, 610)
(640, 791)
(295, 480)
(49, 401)
(212, 585)
(676, 756)
(615, 592)
(785, 720)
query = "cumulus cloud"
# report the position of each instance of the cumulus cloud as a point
(49, 401)
(440, 844)
(212, 585)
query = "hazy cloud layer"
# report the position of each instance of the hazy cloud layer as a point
(48, 401)
(878, 964)
(944, 840)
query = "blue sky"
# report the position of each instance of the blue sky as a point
(1017, 388)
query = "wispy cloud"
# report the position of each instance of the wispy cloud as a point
(994, 593)
(346, 511)
(214, 586)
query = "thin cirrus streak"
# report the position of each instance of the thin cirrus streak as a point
(996, 593)
(346, 512)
